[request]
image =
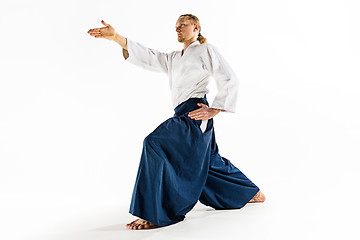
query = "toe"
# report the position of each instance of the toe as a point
(131, 225)
(140, 224)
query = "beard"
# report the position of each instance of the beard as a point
(181, 38)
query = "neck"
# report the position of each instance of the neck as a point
(187, 44)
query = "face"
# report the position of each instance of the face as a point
(186, 30)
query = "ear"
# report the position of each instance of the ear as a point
(196, 27)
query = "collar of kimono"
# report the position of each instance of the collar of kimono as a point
(194, 43)
(191, 45)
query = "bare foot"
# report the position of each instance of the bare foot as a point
(259, 197)
(140, 224)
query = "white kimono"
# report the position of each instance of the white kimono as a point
(189, 74)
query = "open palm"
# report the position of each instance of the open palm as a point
(107, 32)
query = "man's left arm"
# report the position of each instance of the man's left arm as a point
(226, 81)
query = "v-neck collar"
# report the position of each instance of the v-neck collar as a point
(182, 53)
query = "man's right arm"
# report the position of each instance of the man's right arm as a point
(147, 58)
(133, 52)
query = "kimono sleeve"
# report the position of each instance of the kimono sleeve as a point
(226, 81)
(147, 58)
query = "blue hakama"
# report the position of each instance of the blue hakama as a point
(180, 164)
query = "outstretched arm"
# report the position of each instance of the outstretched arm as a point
(134, 52)
(108, 32)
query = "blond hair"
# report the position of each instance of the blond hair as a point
(195, 20)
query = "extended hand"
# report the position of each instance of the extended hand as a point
(203, 113)
(107, 32)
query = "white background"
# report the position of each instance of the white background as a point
(73, 115)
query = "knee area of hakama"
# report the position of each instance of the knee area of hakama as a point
(226, 186)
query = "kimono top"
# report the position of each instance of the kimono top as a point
(189, 74)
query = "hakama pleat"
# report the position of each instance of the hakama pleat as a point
(180, 165)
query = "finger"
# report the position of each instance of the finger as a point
(95, 33)
(200, 113)
(199, 110)
(193, 114)
(198, 116)
(105, 24)
(94, 30)
(201, 118)
(98, 36)
(202, 105)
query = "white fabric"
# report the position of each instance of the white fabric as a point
(189, 74)
(203, 125)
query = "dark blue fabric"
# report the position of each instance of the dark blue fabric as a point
(180, 165)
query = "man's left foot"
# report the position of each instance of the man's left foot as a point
(140, 224)
(259, 197)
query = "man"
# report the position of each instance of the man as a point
(180, 162)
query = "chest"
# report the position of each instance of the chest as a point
(190, 65)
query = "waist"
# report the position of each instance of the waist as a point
(189, 105)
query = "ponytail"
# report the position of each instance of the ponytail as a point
(201, 39)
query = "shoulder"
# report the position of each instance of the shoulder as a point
(208, 45)
(208, 48)
(205, 46)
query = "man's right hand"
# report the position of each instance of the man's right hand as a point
(107, 32)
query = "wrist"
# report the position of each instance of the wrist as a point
(120, 40)
(115, 37)
(216, 110)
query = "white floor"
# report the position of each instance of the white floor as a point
(286, 215)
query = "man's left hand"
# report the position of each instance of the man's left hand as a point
(203, 113)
